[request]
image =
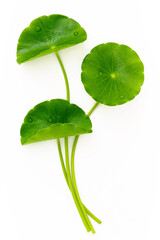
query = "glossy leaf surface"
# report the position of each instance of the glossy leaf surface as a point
(54, 119)
(48, 34)
(112, 74)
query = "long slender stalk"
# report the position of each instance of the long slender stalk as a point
(92, 109)
(75, 185)
(62, 161)
(83, 211)
(66, 178)
(65, 76)
(72, 161)
(71, 186)
(66, 151)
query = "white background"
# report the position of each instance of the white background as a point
(118, 166)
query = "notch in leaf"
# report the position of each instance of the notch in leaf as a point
(54, 119)
(48, 34)
(112, 74)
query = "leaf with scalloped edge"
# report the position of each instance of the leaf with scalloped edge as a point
(54, 119)
(48, 34)
(112, 74)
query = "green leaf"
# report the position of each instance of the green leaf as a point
(48, 34)
(112, 74)
(54, 119)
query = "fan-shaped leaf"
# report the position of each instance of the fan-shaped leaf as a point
(48, 34)
(112, 74)
(54, 119)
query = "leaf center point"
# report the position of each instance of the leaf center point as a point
(113, 75)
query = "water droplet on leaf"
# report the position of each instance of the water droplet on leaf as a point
(75, 33)
(38, 29)
(30, 119)
(121, 97)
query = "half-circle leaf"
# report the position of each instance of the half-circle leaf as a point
(48, 34)
(54, 119)
(112, 74)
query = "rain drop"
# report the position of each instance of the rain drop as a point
(38, 29)
(30, 119)
(121, 97)
(75, 33)
(100, 73)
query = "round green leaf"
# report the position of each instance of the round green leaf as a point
(112, 74)
(54, 119)
(48, 34)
